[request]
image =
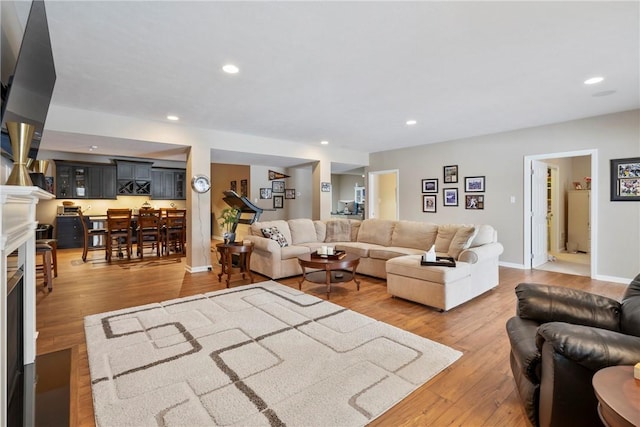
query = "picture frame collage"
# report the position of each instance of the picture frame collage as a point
(278, 192)
(473, 185)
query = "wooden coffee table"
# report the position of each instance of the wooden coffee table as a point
(618, 396)
(332, 271)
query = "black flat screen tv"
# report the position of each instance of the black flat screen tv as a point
(29, 89)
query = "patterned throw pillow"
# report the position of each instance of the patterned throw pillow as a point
(274, 234)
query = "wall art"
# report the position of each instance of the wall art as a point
(429, 203)
(451, 174)
(430, 185)
(450, 196)
(625, 179)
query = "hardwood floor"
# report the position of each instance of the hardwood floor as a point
(477, 390)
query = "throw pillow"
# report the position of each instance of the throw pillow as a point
(461, 240)
(338, 230)
(274, 234)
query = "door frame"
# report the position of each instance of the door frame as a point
(526, 250)
(374, 192)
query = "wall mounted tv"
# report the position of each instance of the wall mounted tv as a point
(29, 89)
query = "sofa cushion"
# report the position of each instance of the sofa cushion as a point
(445, 236)
(414, 234)
(274, 234)
(357, 248)
(302, 231)
(392, 252)
(293, 252)
(376, 231)
(355, 227)
(283, 227)
(321, 230)
(338, 230)
(485, 234)
(409, 266)
(461, 240)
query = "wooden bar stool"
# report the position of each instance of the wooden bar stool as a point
(46, 250)
(149, 230)
(118, 232)
(53, 243)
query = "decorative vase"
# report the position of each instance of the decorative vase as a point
(21, 135)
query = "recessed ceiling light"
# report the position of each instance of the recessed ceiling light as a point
(230, 68)
(324, 142)
(593, 80)
(411, 122)
(173, 118)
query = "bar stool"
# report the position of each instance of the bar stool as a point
(118, 232)
(89, 234)
(53, 244)
(149, 230)
(46, 250)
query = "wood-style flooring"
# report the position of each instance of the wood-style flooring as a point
(477, 390)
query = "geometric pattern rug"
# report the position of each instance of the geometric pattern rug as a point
(255, 355)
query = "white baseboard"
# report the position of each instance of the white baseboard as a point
(511, 265)
(613, 279)
(200, 269)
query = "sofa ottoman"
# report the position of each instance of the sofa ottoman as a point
(435, 286)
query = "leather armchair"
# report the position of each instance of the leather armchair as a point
(559, 338)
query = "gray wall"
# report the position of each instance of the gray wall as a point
(500, 158)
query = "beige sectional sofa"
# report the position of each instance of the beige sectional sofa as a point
(388, 249)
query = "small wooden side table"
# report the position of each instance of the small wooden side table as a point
(618, 394)
(227, 250)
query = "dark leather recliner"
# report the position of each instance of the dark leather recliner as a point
(559, 338)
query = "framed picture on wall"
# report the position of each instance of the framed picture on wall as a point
(290, 193)
(265, 193)
(325, 187)
(243, 187)
(233, 185)
(625, 179)
(277, 186)
(450, 174)
(450, 196)
(430, 185)
(474, 201)
(429, 203)
(278, 202)
(474, 184)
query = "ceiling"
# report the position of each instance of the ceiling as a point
(351, 73)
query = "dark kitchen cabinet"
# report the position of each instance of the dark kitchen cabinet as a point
(77, 180)
(69, 232)
(168, 184)
(133, 178)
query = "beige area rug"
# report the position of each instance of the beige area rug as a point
(262, 354)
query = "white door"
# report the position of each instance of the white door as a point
(538, 213)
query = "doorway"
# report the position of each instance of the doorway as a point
(383, 199)
(550, 215)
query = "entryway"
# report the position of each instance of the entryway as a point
(560, 212)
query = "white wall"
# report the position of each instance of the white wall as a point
(499, 157)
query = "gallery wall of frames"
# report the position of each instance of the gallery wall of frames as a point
(474, 189)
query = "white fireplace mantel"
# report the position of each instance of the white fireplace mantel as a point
(17, 232)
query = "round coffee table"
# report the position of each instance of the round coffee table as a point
(332, 270)
(618, 394)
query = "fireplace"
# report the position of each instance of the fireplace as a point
(18, 302)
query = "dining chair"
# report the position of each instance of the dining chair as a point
(174, 231)
(118, 232)
(90, 235)
(149, 231)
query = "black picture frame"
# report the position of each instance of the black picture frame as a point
(277, 186)
(233, 185)
(474, 201)
(430, 185)
(429, 203)
(289, 193)
(243, 187)
(265, 193)
(278, 202)
(625, 179)
(449, 197)
(474, 184)
(450, 174)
